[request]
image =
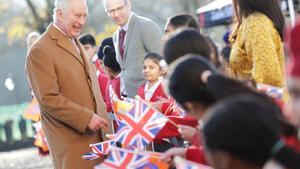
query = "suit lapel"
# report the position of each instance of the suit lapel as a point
(64, 42)
(128, 34)
(116, 44)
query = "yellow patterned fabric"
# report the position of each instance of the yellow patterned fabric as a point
(257, 52)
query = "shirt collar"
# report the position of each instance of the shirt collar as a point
(61, 31)
(153, 88)
(125, 27)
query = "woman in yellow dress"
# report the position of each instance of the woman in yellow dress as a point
(257, 49)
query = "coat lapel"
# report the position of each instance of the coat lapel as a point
(82, 51)
(83, 56)
(129, 33)
(116, 44)
(94, 85)
(64, 42)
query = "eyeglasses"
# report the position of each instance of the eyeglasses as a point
(112, 11)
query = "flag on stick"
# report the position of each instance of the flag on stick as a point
(139, 126)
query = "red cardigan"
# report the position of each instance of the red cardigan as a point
(195, 152)
(102, 81)
(170, 130)
(157, 95)
(170, 109)
(98, 65)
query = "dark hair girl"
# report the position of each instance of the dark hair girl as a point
(244, 130)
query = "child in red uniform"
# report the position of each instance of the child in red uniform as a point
(89, 44)
(113, 70)
(244, 132)
(106, 42)
(152, 91)
(102, 76)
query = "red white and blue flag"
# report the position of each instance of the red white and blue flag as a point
(99, 150)
(127, 159)
(90, 156)
(139, 126)
(129, 100)
(103, 148)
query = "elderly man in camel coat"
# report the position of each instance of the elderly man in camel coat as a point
(64, 82)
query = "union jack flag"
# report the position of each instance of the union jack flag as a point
(181, 163)
(139, 126)
(129, 100)
(123, 159)
(102, 148)
(127, 159)
(90, 156)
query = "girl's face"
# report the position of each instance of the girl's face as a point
(151, 70)
(194, 109)
(168, 30)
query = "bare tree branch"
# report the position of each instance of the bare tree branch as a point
(33, 10)
(50, 6)
(40, 22)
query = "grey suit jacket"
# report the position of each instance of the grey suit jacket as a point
(143, 36)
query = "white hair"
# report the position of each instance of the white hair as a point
(59, 5)
(30, 36)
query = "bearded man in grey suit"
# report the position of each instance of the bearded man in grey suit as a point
(135, 37)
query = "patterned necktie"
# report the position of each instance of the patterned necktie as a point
(122, 34)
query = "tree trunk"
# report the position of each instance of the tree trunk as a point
(40, 22)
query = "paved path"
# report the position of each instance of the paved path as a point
(24, 159)
(29, 159)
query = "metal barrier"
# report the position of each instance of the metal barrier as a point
(14, 129)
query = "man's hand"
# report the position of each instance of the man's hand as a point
(96, 123)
